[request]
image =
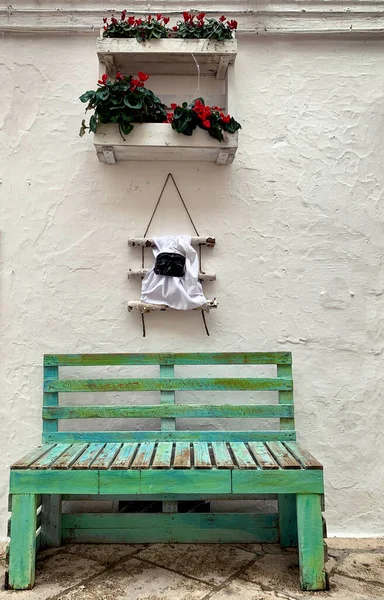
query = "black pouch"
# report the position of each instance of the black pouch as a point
(169, 264)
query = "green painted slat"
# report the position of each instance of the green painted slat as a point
(163, 384)
(286, 396)
(125, 456)
(87, 458)
(277, 482)
(30, 458)
(287, 520)
(119, 482)
(310, 539)
(202, 459)
(22, 553)
(168, 398)
(182, 457)
(223, 459)
(282, 456)
(242, 456)
(69, 456)
(51, 521)
(177, 481)
(106, 456)
(54, 482)
(262, 456)
(45, 461)
(163, 456)
(143, 456)
(240, 411)
(50, 398)
(72, 437)
(303, 456)
(199, 358)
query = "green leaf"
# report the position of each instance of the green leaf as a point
(87, 96)
(133, 101)
(93, 124)
(126, 128)
(103, 94)
(83, 128)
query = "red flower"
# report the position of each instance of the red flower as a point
(103, 80)
(166, 20)
(175, 28)
(201, 16)
(123, 15)
(169, 117)
(105, 20)
(222, 18)
(206, 124)
(173, 105)
(149, 18)
(143, 76)
(134, 83)
(139, 21)
(114, 21)
(233, 24)
(140, 84)
(131, 20)
(186, 16)
(224, 118)
(105, 27)
(159, 16)
(119, 76)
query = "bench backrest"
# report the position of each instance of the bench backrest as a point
(167, 384)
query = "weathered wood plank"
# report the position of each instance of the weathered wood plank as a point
(173, 481)
(32, 456)
(263, 458)
(170, 410)
(69, 456)
(49, 398)
(222, 457)
(287, 520)
(72, 437)
(54, 482)
(51, 521)
(182, 458)
(45, 461)
(242, 456)
(150, 242)
(146, 307)
(22, 554)
(286, 396)
(144, 456)
(197, 358)
(125, 456)
(168, 424)
(86, 459)
(282, 456)
(310, 534)
(202, 459)
(306, 459)
(163, 456)
(163, 384)
(106, 456)
(289, 481)
(119, 482)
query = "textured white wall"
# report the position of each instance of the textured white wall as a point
(298, 219)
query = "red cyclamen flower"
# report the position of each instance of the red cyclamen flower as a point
(224, 118)
(206, 124)
(186, 16)
(114, 21)
(166, 20)
(233, 24)
(139, 21)
(123, 15)
(173, 105)
(103, 80)
(105, 20)
(149, 18)
(119, 76)
(222, 18)
(131, 20)
(159, 16)
(175, 28)
(201, 16)
(143, 76)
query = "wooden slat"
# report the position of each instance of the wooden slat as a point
(163, 456)
(306, 459)
(106, 456)
(169, 410)
(202, 459)
(182, 458)
(45, 461)
(50, 399)
(86, 459)
(283, 457)
(168, 436)
(143, 456)
(242, 456)
(222, 457)
(263, 458)
(30, 458)
(125, 456)
(286, 396)
(197, 358)
(48, 481)
(159, 384)
(69, 456)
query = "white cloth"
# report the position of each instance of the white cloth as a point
(181, 293)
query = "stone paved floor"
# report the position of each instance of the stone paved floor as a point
(200, 572)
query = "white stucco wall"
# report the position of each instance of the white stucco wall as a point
(299, 224)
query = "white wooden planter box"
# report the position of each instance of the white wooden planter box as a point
(158, 141)
(166, 56)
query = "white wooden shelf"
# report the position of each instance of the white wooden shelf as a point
(171, 56)
(144, 307)
(209, 241)
(159, 142)
(141, 273)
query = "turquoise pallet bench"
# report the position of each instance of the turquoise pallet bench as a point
(170, 464)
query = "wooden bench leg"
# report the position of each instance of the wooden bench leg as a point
(51, 521)
(287, 520)
(22, 551)
(310, 538)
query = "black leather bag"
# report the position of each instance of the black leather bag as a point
(170, 264)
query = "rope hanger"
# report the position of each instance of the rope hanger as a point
(170, 176)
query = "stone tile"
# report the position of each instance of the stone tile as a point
(3, 548)
(104, 554)
(137, 580)
(344, 588)
(212, 563)
(256, 548)
(369, 567)
(276, 549)
(355, 543)
(243, 590)
(56, 574)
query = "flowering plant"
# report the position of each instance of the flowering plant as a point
(187, 117)
(141, 29)
(196, 26)
(124, 101)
